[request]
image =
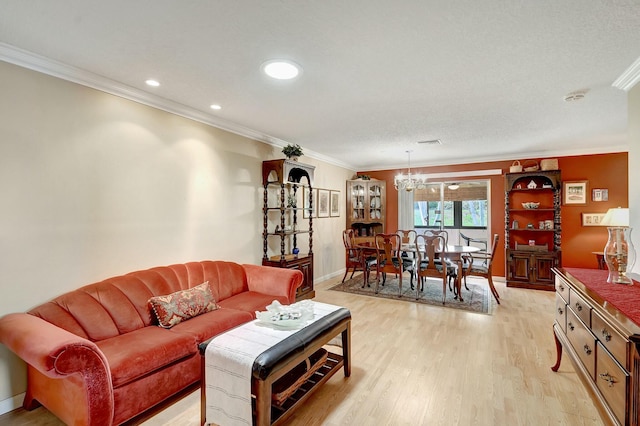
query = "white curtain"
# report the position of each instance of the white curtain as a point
(405, 209)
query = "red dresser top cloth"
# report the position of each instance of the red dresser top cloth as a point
(625, 298)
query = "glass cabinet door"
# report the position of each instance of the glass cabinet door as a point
(357, 201)
(375, 202)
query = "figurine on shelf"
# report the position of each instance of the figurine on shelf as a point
(532, 185)
(295, 251)
(291, 201)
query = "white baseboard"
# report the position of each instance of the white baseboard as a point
(326, 277)
(11, 404)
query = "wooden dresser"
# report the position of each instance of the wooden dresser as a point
(595, 326)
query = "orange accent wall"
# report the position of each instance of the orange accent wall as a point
(604, 171)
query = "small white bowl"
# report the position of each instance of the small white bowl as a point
(531, 205)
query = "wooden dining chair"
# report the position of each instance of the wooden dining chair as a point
(480, 264)
(355, 258)
(408, 237)
(452, 267)
(389, 259)
(428, 262)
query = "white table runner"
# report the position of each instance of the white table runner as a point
(229, 361)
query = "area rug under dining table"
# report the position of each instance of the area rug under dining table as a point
(476, 299)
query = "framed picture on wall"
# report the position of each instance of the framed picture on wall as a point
(600, 194)
(592, 219)
(323, 203)
(575, 193)
(309, 211)
(334, 203)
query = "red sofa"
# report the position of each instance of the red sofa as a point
(96, 355)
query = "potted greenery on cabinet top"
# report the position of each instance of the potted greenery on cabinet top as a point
(292, 151)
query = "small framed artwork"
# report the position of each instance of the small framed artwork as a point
(575, 193)
(592, 219)
(600, 194)
(334, 203)
(309, 211)
(323, 203)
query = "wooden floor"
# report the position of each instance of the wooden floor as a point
(423, 365)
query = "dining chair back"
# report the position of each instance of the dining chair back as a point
(452, 267)
(355, 258)
(428, 262)
(480, 264)
(480, 242)
(408, 237)
(389, 259)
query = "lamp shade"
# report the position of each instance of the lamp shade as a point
(616, 217)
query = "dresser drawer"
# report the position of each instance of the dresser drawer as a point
(580, 307)
(582, 341)
(612, 381)
(561, 312)
(562, 288)
(615, 343)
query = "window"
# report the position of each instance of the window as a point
(463, 208)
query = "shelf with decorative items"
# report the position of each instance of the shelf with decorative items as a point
(532, 228)
(366, 207)
(284, 223)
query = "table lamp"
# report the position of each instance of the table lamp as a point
(619, 253)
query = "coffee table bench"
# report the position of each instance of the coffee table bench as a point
(283, 357)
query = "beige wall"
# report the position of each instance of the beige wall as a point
(634, 170)
(93, 185)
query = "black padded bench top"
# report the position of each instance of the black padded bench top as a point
(294, 344)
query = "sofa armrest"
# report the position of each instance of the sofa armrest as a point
(57, 354)
(274, 281)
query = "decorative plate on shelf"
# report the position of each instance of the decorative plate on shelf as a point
(530, 205)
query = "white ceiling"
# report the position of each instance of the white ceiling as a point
(487, 78)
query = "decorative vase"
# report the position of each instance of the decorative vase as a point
(619, 255)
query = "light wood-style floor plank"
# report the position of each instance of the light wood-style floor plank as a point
(424, 365)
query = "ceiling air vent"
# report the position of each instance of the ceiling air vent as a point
(432, 142)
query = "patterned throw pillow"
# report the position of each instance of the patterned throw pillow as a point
(176, 307)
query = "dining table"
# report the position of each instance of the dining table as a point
(454, 253)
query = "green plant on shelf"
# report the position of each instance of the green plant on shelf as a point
(292, 151)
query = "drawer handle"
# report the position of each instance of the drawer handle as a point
(578, 306)
(587, 349)
(560, 311)
(608, 378)
(571, 326)
(561, 287)
(606, 335)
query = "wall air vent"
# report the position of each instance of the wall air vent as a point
(431, 142)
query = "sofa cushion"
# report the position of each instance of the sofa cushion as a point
(182, 305)
(143, 351)
(212, 323)
(251, 301)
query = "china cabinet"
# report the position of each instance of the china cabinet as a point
(285, 225)
(532, 228)
(366, 206)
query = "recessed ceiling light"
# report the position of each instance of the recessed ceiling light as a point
(216, 106)
(281, 69)
(153, 83)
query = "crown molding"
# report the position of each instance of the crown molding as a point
(44, 65)
(609, 149)
(629, 78)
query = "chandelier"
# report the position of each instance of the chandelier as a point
(409, 182)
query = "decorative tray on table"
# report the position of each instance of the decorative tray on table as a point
(287, 316)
